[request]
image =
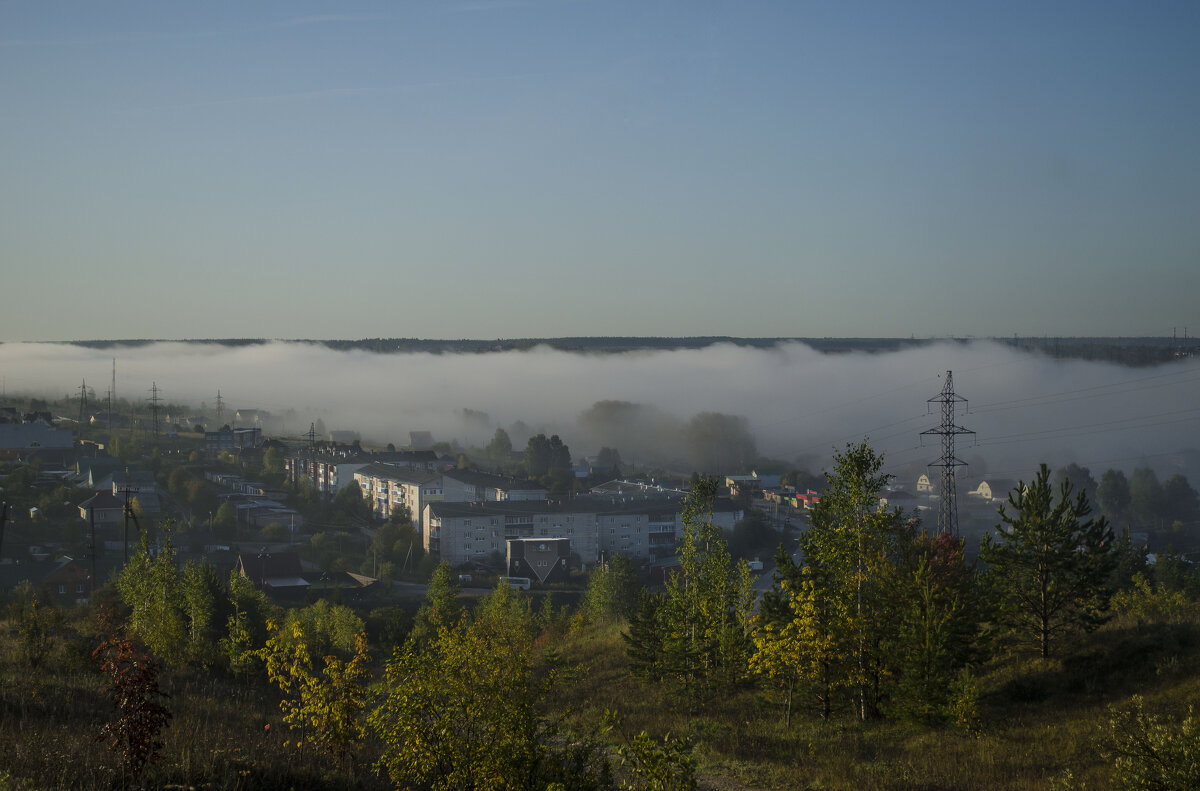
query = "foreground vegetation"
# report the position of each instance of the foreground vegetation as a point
(881, 658)
(1039, 721)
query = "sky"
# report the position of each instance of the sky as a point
(543, 168)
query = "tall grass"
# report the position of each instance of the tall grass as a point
(50, 718)
(1040, 718)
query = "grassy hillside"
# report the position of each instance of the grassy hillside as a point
(1038, 719)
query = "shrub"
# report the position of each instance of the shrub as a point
(1148, 753)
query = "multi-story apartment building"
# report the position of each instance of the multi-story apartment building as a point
(389, 487)
(463, 533)
(331, 468)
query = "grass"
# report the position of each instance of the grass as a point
(50, 718)
(1040, 718)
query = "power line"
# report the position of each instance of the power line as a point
(1097, 428)
(1084, 393)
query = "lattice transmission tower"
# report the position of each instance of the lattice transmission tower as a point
(154, 401)
(948, 430)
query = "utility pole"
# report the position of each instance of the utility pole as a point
(312, 453)
(82, 402)
(948, 430)
(220, 409)
(129, 514)
(92, 526)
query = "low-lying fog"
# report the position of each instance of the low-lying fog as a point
(795, 403)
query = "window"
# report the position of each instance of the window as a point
(62, 589)
(79, 587)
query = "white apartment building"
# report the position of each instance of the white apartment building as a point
(464, 533)
(389, 487)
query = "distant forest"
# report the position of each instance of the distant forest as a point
(1125, 351)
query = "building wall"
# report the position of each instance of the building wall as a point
(461, 538)
(392, 490)
(473, 538)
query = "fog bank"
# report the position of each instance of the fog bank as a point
(798, 404)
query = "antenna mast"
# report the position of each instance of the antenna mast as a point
(948, 430)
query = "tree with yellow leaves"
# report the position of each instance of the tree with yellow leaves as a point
(805, 649)
(840, 605)
(325, 708)
(459, 712)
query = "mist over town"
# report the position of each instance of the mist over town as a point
(798, 404)
(565, 395)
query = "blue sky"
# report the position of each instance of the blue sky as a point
(503, 169)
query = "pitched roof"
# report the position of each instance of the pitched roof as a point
(394, 473)
(104, 499)
(26, 436)
(276, 569)
(492, 481)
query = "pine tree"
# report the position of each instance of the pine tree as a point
(1049, 563)
(643, 640)
(937, 626)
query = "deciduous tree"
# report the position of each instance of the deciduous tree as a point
(133, 687)
(441, 608)
(706, 615)
(151, 587)
(1112, 495)
(612, 590)
(461, 713)
(851, 553)
(205, 606)
(326, 707)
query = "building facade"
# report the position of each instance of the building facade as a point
(642, 528)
